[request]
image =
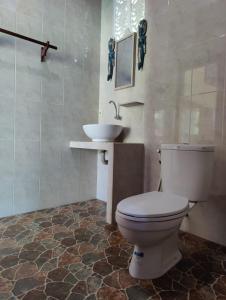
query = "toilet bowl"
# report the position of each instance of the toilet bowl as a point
(151, 222)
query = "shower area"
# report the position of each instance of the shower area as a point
(43, 105)
(53, 62)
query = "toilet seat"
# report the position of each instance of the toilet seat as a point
(153, 207)
(154, 219)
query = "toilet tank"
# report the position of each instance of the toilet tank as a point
(186, 170)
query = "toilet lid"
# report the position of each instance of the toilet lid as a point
(153, 204)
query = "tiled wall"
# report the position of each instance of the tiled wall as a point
(133, 117)
(183, 87)
(186, 96)
(43, 105)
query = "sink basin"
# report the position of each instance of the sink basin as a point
(102, 132)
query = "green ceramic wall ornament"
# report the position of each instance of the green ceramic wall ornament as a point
(142, 30)
(111, 58)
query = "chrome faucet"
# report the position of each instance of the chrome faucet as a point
(117, 116)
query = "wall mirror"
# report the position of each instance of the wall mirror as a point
(125, 61)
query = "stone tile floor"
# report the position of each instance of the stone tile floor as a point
(71, 253)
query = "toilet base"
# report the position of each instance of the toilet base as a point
(154, 261)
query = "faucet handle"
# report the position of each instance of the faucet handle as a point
(118, 117)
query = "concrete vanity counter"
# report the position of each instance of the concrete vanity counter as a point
(122, 175)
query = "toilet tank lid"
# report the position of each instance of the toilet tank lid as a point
(188, 147)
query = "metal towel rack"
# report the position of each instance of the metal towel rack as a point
(45, 45)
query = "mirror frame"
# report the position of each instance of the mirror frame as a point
(133, 62)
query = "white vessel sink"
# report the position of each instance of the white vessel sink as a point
(102, 132)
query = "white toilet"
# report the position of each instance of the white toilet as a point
(151, 221)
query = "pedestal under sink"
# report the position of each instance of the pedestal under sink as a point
(122, 176)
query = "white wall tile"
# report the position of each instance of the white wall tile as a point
(44, 105)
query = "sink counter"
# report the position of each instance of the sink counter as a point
(108, 146)
(91, 145)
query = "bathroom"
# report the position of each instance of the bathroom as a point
(59, 191)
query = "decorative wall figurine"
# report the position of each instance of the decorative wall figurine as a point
(142, 30)
(111, 58)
